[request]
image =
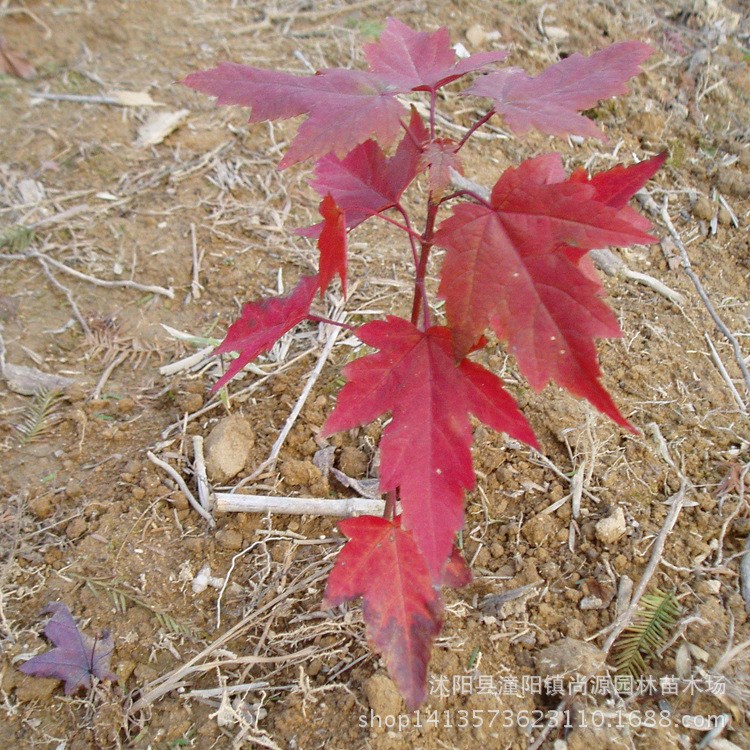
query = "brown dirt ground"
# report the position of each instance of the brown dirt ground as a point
(89, 520)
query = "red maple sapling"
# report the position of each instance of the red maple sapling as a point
(515, 263)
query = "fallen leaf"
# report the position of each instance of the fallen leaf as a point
(14, 63)
(158, 127)
(135, 99)
(76, 658)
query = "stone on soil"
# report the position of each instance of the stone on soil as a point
(228, 447)
(608, 530)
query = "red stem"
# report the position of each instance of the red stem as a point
(404, 228)
(433, 94)
(390, 505)
(420, 294)
(478, 124)
(470, 194)
(328, 321)
(412, 235)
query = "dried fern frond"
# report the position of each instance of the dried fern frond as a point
(110, 337)
(656, 614)
(39, 416)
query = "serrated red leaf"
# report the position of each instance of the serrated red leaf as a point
(262, 323)
(402, 609)
(421, 61)
(615, 187)
(344, 107)
(76, 658)
(332, 244)
(618, 185)
(439, 157)
(366, 182)
(425, 450)
(507, 267)
(550, 102)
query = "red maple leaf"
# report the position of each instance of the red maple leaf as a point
(420, 61)
(507, 267)
(262, 323)
(366, 182)
(616, 186)
(425, 450)
(402, 609)
(76, 658)
(332, 244)
(551, 101)
(439, 157)
(344, 107)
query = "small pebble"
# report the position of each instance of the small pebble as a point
(608, 530)
(228, 447)
(476, 35)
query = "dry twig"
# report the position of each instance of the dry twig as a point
(201, 478)
(718, 322)
(349, 506)
(185, 490)
(658, 548)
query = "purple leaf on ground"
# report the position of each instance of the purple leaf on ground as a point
(76, 656)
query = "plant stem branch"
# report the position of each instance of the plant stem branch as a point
(330, 322)
(201, 477)
(433, 94)
(390, 505)
(197, 507)
(413, 236)
(478, 124)
(404, 228)
(467, 193)
(420, 293)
